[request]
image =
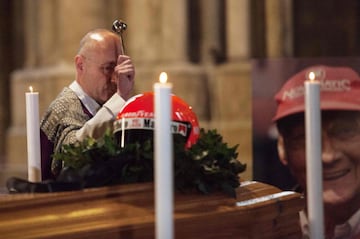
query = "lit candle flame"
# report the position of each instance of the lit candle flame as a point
(31, 89)
(163, 77)
(311, 76)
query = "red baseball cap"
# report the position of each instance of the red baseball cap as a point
(339, 90)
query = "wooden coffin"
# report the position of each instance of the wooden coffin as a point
(127, 212)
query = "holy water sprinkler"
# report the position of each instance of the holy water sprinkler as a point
(119, 27)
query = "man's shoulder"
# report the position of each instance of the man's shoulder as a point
(65, 95)
(66, 102)
(64, 107)
(65, 99)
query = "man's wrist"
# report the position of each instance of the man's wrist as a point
(115, 103)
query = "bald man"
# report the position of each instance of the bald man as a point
(89, 105)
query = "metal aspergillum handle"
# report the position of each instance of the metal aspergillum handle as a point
(119, 27)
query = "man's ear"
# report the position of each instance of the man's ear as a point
(79, 63)
(281, 150)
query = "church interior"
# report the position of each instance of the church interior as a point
(225, 58)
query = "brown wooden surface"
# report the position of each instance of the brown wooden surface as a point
(128, 212)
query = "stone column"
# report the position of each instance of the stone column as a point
(211, 26)
(189, 80)
(174, 31)
(231, 109)
(143, 41)
(279, 28)
(157, 41)
(238, 56)
(238, 29)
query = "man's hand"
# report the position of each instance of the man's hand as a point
(124, 73)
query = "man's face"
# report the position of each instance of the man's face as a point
(340, 154)
(98, 68)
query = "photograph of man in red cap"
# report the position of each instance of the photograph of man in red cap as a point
(340, 114)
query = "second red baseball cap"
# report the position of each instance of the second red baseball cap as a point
(339, 90)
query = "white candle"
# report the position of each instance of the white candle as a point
(315, 208)
(163, 159)
(33, 136)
